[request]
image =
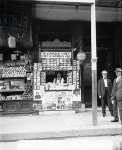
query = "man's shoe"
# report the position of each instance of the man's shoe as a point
(115, 120)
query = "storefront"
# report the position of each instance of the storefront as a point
(52, 75)
(71, 23)
(35, 78)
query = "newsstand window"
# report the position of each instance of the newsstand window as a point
(56, 76)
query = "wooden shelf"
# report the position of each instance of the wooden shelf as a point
(13, 62)
(11, 91)
(21, 100)
(13, 78)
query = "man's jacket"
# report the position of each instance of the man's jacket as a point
(101, 87)
(117, 89)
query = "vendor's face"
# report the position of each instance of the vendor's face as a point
(118, 74)
(58, 75)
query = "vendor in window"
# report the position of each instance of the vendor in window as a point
(58, 80)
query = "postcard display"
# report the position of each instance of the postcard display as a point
(55, 59)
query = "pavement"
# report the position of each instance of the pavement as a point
(85, 143)
(57, 124)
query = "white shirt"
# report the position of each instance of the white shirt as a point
(105, 82)
(118, 78)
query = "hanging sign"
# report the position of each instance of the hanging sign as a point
(81, 56)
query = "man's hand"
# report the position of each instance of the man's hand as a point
(100, 97)
(112, 99)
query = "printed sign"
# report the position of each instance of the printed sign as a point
(55, 55)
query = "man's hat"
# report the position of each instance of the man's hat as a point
(104, 72)
(118, 70)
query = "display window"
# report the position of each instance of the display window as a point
(56, 76)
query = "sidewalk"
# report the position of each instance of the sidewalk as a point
(56, 125)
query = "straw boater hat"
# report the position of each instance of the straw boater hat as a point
(104, 72)
(118, 70)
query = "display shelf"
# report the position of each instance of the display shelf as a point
(3, 101)
(13, 78)
(13, 62)
(15, 95)
(11, 91)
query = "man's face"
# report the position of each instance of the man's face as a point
(104, 75)
(118, 74)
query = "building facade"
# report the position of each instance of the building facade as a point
(49, 35)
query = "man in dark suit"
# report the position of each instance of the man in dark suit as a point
(116, 95)
(104, 93)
